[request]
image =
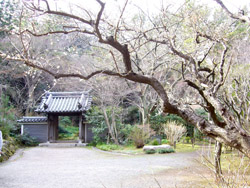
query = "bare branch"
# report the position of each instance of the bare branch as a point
(58, 32)
(198, 34)
(119, 20)
(209, 106)
(98, 21)
(47, 4)
(222, 63)
(205, 56)
(116, 65)
(242, 18)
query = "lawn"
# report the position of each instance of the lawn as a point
(131, 149)
(180, 147)
(128, 149)
(68, 133)
(235, 168)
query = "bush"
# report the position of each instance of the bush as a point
(5, 129)
(92, 144)
(95, 116)
(124, 133)
(62, 130)
(7, 118)
(150, 151)
(65, 121)
(187, 139)
(174, 131)
(170, 150)
(154, 142)
(131, 115)
(26, 140)
(139, 136)
(108, 147)
(164, 141)
(68, 133)
(156, 122)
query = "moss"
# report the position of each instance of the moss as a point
(9, 148)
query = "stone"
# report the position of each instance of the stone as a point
(155, 148)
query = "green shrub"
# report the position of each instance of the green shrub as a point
(161, 151)
(150, 151)
(154, 142)
(131, 115)
(61, 129)
(187, 139)
(7, 116)
(139, 136)
(108, 147)
(65, 121)
(92, 144)
(26, 140)
(5, 128)
(68, 133)
(124, 133)
(164, 141)
(95, 116)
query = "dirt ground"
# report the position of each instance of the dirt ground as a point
(89, 168)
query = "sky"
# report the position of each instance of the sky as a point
(151, 6)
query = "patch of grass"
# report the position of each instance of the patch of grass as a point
(131, 149)
(127, 149)
(108, 147)
(235, 169)
(232, 161)
(69, 133)
(180, 147)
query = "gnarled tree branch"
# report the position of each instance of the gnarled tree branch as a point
(242, 18)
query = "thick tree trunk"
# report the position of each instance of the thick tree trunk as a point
(114, 128)
(30, 101)
(228, 135)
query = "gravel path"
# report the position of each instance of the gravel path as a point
(88, 168)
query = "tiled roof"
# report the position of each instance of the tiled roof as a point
(65, 102)
(27, 119)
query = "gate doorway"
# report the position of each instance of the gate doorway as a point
(68, 130)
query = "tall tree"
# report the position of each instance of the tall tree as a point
(198, 45)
